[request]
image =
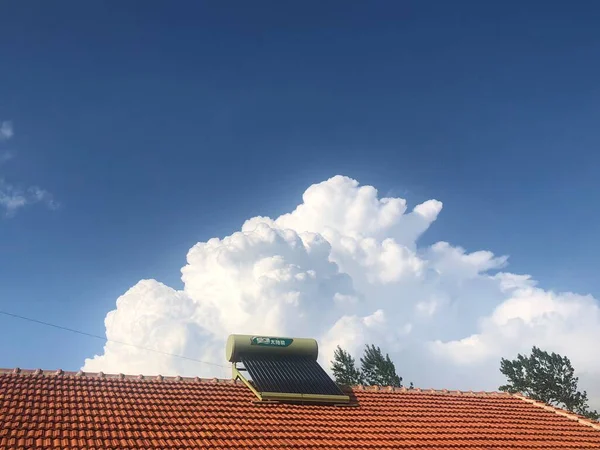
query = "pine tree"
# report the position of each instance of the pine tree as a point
(377, 369)
(344, 369)
(548, 378)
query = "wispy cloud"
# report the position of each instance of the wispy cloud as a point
(42, 196)
(14, 197)
(11, 198)
(6, 130)
(5, 156)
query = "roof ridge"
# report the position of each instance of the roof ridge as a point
(119, 376)
(375, 388)
(559, 411)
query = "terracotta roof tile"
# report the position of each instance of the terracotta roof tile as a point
(64, 410)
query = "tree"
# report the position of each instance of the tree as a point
(344, 369)
(548, 378)
(377, 370)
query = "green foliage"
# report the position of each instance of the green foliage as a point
(548, 378)
(344, 369)
(377, 369)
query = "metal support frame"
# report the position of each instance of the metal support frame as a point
(238, 376)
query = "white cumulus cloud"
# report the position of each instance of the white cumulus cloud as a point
(345, 267)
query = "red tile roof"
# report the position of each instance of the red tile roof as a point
(54, 410)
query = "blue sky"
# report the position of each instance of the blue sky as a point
(156, 125)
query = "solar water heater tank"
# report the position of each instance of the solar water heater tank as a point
(240, 346)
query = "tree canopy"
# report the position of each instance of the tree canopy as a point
(376, 369)
(379, 370)
(344, 368)
(546, 377)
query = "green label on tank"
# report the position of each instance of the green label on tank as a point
(270, 342)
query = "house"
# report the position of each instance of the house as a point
(60, 410)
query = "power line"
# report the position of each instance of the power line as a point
(83, 333)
